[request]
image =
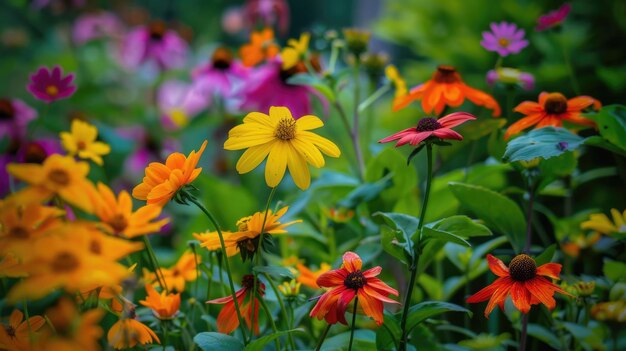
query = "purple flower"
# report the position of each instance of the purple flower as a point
(96, 25)
(504, 38)
(146, 149)
(179, 102)
(267, 12)
(154, 42)
(14, 118)
(232, 20)
(220, 76)
(267, 86)
(553, 18)
(50, 85)
(508, 75)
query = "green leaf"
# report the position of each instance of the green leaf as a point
(275, 271)
(366, 192)
(427, 309)
(388, 334)
(614, 270)
(404, 178)
(211, 341)
(546, 256)
(314, 82)
(434, 234)
(611, 122)
(544, 143)
(460, 225)
(544, 334)
(396, 238)
(480, 127)
(364, 340)
(599, 141)
(260, 343)
(498, 211)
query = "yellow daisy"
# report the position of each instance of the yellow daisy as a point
(398, 83)
(81, 141)
(602, 224)
(295, 50)
(285, 141)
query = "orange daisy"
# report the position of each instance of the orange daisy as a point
(128, 332)
(446, 88)
(71, 330)
(175, 277)
(118, 216)
(15, 335)
(551, 110)
(523, 280)
(227, 320)
(347, 283)
(162, 181)
(163, 305)
(309, 277)
(261, 47)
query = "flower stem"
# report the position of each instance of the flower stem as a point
(416, 252)
(522, 338)
(165, 336)
(355, 144)
(355, 120)
(356, 300)
(375, 96)
(282, 309)
(568, 64)
(268, 313)
(322, 338)
(529, 219)
(155, 264)
(226, 264)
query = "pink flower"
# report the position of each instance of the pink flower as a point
(506, 75)
(267, 13)
(232, 20)
(504, 38)
(179, 102)
(220, 75)
(49, 85)
(267, 86)
(427, 127)
(553, 18)
(14, 118)
(96, 25)
(154, 42)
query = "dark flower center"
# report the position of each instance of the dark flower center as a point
(19, 233)
(157, 30)
(286, 129)
(95, 247)
(354, 280)
(248, 282)
(118, 223)
(59, 177)
(428, 125)
(522, 268)
(10, 330)
(35, 153)
(64, 262)
(555, 104)
(81, 145)
(7, 112)
(222, 58)
(446, 74)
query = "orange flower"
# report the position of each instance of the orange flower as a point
(163, 305)
(309, 277)
(551, 110)
(175, 277)
(72, 330)
(261, 47)
(118, 216)
(347, 283)
(227, 320)
(446, 88)
(128, 332)
(162, 181)
(523, 280)
(15, 335)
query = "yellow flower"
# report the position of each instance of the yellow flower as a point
(81, 141)
(398, 83)
(602, 224)
(118, 216)
(285, 141)
(58, 175)
(175, 277)
(290, 289)
(295, 50)
(15, 335)
(211, 241)
(11, 267)
(246, 239)
(163, 305)
(128, 332)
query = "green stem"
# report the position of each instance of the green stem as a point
(282, 308)
(30, 329)
(355, 144)
(155, 264)
(522, 341)
(322, 338)
(356, 300)
(375, 96)
(334, 54)
(355, 120)
(268, 313)
(228, 272)
(570, 69)
(416, 251)
(195, 258)
(165, 336)
(529, 218)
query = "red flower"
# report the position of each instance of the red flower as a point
(553, 18)
(349, 282)
(227, 320)
(428, 127)
(523, 280)
(49, 85)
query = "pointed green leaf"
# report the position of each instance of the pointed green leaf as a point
(544, 143)
(211, 341)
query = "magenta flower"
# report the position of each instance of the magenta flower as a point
(179, 102)
(504, 38)
(513, 76)
(220, 76)
(14, 118)
(431, 127)
(267, 86)
(553, 18)
(154, 42)
(50, 85)
(98, 25)
(267, 13)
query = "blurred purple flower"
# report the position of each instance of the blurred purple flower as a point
(219, 76)
(147, 149)
(39, 4)
(553, 18)
(155, 42)
(14, 118)
(267, 13)
(50, 85)
(508, 75)
(101, 24)
(267, 86)
(232, 20)
(504, 38)
(179, 102)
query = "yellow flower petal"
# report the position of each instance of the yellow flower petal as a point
(279, 112)
(276, 164)
(311, 153)
(253, 157)
(328, 147)
(298, 168)
(309, 122)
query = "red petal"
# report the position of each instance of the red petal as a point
(342, 304)
(499, 296)
(528, 108)
(455, 119)
(375, 294)
(581, 102)
(543, 290)
(371, 306)
(523, 123)
(445, 133)
(497, 267)
(520, 297)
(372, 272)
(352, 262)
(486, 292)
(381, 286)
(551, 270)
(332, 278)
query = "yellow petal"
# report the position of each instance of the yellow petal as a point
(279, 112)
(298, 168)
(310, 153)
(309, 122)
(326, 146)
(29, 172)
(276, 164)
(260, 118)
(253, 157)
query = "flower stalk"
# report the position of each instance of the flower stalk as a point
(356, 300)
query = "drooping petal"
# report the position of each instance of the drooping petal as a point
(332, 278)
(551, 270)
(445, 133)
(371, 306)
(520, 297)
(455, 119)
(543, 290)
(499, 296)
(497, 266)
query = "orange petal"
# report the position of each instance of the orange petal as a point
(352, 262)
(497, 266)
(582, 102)
(520, 297)
(543, 290)
(522, 124)
(371, 306)
(551, 270)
